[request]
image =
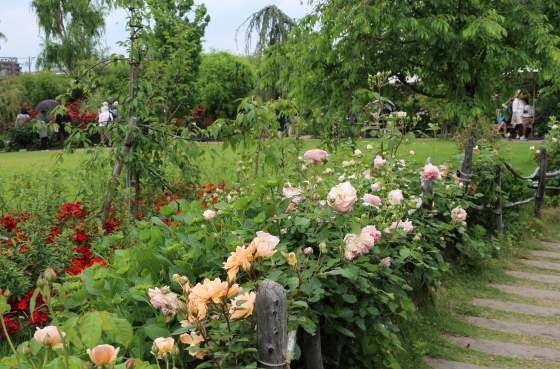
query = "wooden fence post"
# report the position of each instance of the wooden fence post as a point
(311, 350)
(272, 324)
(539, 198)
(466, 169)
(498, 206)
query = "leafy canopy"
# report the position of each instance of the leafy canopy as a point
(462, 51)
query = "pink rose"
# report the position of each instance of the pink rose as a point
(378, 162)
(373, 232)
(458, 214)
(291, 208)
(315, 156)
(394, 197)
(342, 197)
(367, 174)
(291, 192)
(430, 172)
(308, 251)
(376, 186)
(345, 163)
(386, 262)
(209, 214)
(406, 226)
(371, 200)
(358, 245)
(263, 245)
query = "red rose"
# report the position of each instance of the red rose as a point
(197, 117)
(20, 104)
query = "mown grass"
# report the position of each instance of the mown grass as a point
(440, 150)
(426, 338)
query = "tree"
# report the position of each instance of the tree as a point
(224, 78)
(72, 31)
(462, 52)
(273, 27)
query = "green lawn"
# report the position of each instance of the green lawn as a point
(439, 150)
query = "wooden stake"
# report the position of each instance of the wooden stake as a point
(272, 324)
(539, 197)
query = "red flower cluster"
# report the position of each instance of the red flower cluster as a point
(30, 111)
(11, 326)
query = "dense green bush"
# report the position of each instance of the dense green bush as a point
(22, 136)
(224, 78)
(41, 86)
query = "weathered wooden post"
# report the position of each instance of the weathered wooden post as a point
(311, 349)
(539, 198)
(272, 325)
(428, 187)
(498, 206)
(466, 169)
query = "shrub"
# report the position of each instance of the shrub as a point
(22, 136)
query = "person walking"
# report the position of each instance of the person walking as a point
(63, 121)
(527, 117)
(104, 119)
(281, 119)
(22, 117)
(517, 108)
(43, 119)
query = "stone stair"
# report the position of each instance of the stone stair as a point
(548, 297)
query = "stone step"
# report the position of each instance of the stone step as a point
(542, 264)
(508, 349)
(446, 364)
(514, 327)
(530, 292)
(536, 277)
(551, 244)
(520, 308)
(546, 254)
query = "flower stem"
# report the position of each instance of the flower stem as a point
(9, 340)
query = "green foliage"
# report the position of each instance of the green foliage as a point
(10, 93)
(224, 78)
(22, 136)
(459, 53)
(72, 29)
(41, 86)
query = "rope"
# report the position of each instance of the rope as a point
(464, 175)
(275, 365)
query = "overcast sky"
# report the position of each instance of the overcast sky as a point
(19, 25)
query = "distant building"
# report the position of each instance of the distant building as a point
(10, 66)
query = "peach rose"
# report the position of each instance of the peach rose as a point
(164, 345)
(315, 156)
(49, 335)
(264, 244)
(243, 309)
(193, 339)
(209, 290)
(103, 354)
(241, 257)
(342, 197)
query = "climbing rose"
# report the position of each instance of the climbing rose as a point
(264, 244)
(373, 232)
(458, 214)
(49, 334)
(394, 197)
(245, 309)
(406, 226)
(430, 172)
(209, 214)
(386, 262)
(376, 186)
(342, 197)
(163, 345)
(241, 257)
(103, 354)
(371, 200)
(358, 244)
(214, 290)
(315, 156)
(378, 162)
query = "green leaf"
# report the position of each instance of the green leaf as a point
(344, 331)
(90, 328)
(408, 305)
(123, 331)
(303, 222)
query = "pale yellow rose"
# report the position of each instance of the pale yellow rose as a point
(49, 335)
(164, 345)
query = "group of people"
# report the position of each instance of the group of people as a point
(521, 117)
(106, 113)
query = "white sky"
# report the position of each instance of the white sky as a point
(19, 25)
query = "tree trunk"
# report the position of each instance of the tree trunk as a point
(466, 169)
(136, 195)
(117, 171)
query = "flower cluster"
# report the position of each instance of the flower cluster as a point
(357, 245)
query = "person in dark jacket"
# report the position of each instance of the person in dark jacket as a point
(63, 121)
